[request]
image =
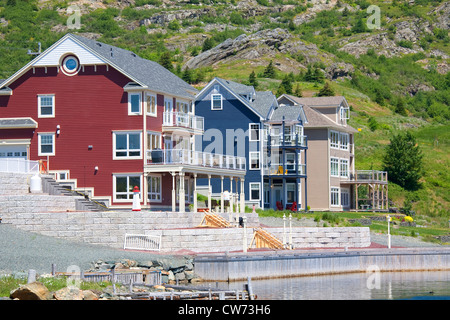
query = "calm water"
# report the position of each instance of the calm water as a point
(355, 286)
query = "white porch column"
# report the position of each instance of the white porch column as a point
(195, 192)
(231, 195)
(174, 195)
(221, 194)
(209, 192)
(242, 196)
(237, 203)
(181, 201)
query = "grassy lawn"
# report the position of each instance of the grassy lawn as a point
(426, 227)
(9, 283)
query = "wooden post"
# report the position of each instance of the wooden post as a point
(209, 192)
(242, 196)
(221, 194)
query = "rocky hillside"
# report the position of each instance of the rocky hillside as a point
(396, 73)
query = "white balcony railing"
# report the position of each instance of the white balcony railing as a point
(287, 140)
(181, 119)
(369, 176)
(18, 165)
(196, 158)
(287, 170)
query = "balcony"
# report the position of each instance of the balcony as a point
(180, 120)
(195, 158)
(286, 140)
(288, 170)
(367, 176)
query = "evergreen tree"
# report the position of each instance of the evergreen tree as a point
(298, 91)
(403, 161)
(166, 61)
(326, 91)
(286, 83)
(252, 80)
(359, 26)
(208, 44)
(187, 75)
(269, 71)
(400, 107)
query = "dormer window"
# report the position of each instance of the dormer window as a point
(216, 102)
(344, 114)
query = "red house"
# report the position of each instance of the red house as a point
(106, 121)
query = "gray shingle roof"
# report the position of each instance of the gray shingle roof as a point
(315, 119)
(263, 100)
(290, 113)
(148, 73)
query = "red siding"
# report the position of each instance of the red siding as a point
(88, 107)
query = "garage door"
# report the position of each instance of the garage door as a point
(13, 151)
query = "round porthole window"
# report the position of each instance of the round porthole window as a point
(70, 65)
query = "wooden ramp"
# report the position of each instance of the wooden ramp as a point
(214, 220)
(264, 239)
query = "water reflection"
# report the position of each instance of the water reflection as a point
(354, 286)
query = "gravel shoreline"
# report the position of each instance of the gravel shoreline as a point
(21, 250)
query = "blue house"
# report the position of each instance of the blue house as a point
(240, 121)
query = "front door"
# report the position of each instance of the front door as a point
(277, 195)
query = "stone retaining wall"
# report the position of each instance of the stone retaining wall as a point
(177, 230)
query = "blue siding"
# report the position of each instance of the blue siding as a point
(234, 115)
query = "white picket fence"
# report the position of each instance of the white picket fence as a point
(142, 242)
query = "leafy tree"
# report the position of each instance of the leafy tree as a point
(326, 91)
(373, 124)
(269, 71)
(403, 161)
(252, 80)
(360, 26)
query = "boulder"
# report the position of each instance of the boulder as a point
(89, 295)
(31, 291)
(69, 293)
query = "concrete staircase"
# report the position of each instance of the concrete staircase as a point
(15, 197)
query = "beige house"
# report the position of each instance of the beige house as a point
(333, 184)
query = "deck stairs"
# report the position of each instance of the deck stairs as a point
(213, 220)
(264, 239)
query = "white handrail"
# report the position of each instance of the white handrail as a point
(181, 119)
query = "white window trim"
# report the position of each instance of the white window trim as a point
(341, 145)
(155, 114)
(126, 157)
(131, 113)
(160, 186)
(39, 106)
(250, 131)
(338, 190)
(212, 101)
(40, 134)
(250, 191)
(250, 160)
(128, 181)
(154, 133)
(338, 169)
(333, 145)
(341, 161)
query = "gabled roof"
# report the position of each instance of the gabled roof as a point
(319, 101)
(288, 113)
(263, 100)
(148, 74)
(315, 119)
